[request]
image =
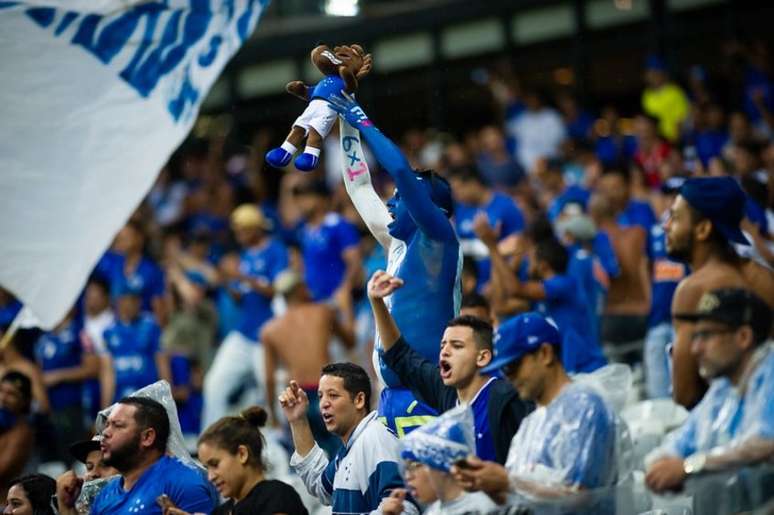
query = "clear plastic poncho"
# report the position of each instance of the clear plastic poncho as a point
(574, 454)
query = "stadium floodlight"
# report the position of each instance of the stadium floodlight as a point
(342, 7)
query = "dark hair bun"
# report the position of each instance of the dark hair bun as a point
(255, 416)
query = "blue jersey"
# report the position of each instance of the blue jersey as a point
(264, 262)
(322, 248)
(665, 276)
(188, 412)
(485, 447)
(567, 305)
(585, 267)
(57, 350)
(133, 348)
(637, 213)
(331, 84)
(185, 485)
(500, 209)
(146, 277)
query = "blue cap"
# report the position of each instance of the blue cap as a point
(519, 336)
(720, 199)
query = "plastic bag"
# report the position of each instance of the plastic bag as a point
(161, 393)
(442, 441)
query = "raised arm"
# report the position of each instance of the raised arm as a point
(357, 181)
(429, 218)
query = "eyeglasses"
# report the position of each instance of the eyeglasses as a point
(706, 334)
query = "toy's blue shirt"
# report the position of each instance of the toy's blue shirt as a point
(331, 84)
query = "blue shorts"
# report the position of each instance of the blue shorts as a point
(400, 411)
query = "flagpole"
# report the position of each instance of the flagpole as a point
(9, 334)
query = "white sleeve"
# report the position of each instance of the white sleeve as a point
(311, 470)
(357, 181)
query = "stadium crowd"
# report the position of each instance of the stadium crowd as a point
(542, 250)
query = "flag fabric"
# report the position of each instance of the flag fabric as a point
(95, 96)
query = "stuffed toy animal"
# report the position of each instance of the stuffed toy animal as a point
(343, 67)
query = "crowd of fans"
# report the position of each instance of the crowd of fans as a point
(576, 229)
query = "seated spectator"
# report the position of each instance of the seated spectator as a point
(232, 451)
(89, 453)
(556, 293)
(466, 348)
(135, 443)
(438, 445)
(16, 435)
(133, 357)
(472, 196)
(664, 99)
(733, 425)
(31, 495)
(549, 457)
(365, 470)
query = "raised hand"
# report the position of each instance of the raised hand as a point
(382, 284)
(485, 232)
(350, 110)
(294, 402)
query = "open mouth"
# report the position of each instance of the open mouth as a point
(446, 369)
(327, 418)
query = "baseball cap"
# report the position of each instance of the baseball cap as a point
(721, 200)
(250, 215)
(80, 450)
(734, 307)
(519, 336)
(442, 441)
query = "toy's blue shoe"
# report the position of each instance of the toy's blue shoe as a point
(307, 162)
(278, 157)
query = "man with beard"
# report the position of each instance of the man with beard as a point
(733, 425)
(702, 226)
(134, 441)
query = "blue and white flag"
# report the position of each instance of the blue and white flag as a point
(94, 97)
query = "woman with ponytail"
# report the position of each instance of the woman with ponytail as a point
(232, 449)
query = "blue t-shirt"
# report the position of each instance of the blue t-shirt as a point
(323, 247)
(331, 84)
(485, 448)
(500, 209)
(614, 149)
(709, 144)
(603, 250)
(186, 487)
(665, 276)
(264, 262)
(593, 280)
(580, 128)
(58, 350)
(133, 348)
(567, 305)
(637, 213)
(147, 277)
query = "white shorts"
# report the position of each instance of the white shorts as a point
(319, 116)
